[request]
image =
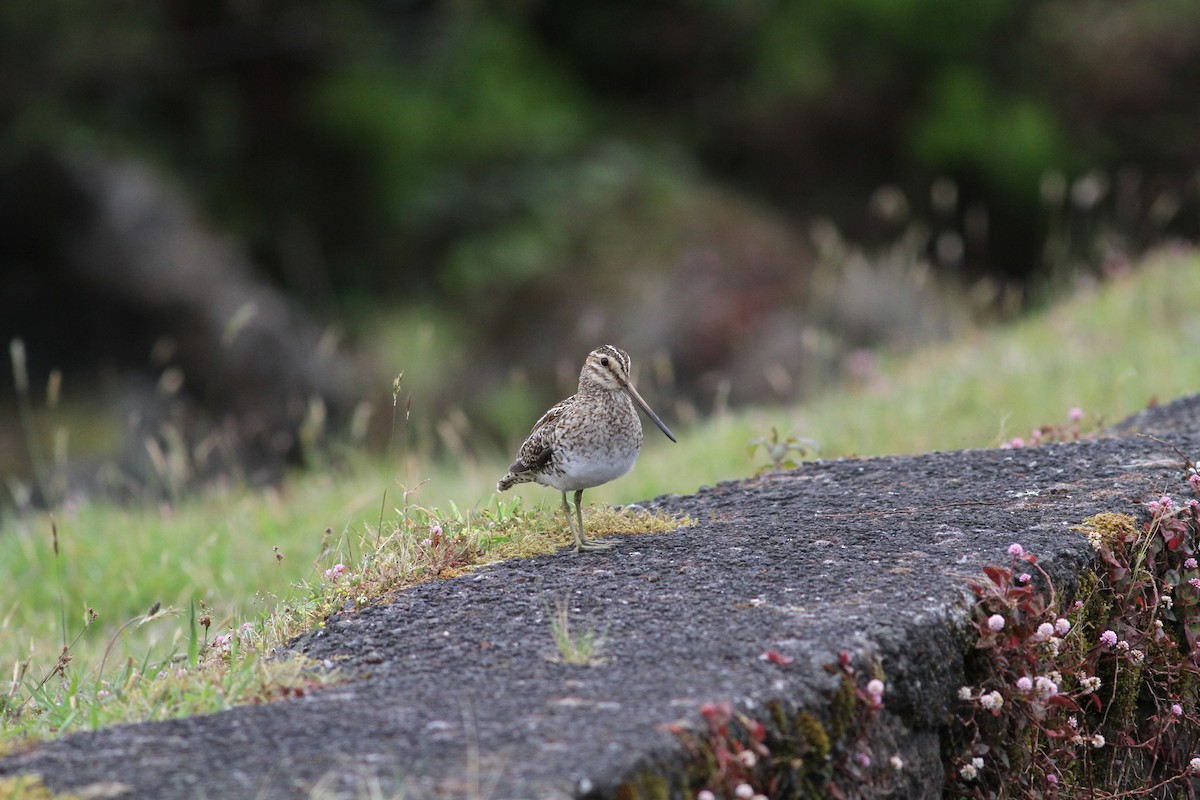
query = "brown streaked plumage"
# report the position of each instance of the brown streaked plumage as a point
(590, 438)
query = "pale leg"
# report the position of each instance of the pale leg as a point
(584, 543)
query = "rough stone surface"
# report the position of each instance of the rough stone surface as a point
(459, 694)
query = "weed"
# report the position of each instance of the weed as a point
(1096, 700)
(778, 449)
(789, 754)
(1070, 431)
(580, 648)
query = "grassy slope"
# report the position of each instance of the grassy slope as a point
(1109, 351)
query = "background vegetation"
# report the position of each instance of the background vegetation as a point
(772, 205)
(261, 558)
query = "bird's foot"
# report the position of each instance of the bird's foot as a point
(591, 545)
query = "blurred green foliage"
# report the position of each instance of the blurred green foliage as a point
(440, 148)
(957, 134)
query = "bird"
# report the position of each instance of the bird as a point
(590, 438)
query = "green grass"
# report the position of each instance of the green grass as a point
(1109, 351)
(577, 647)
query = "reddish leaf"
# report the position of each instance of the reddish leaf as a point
(776, 658)
(999, 576)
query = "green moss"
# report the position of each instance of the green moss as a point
(1111, 526)
(646, 786)
(843, 709)
(813, 736)
(29, 787)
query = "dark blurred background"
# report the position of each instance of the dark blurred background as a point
(226, 225)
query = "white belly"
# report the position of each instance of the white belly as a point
(583, 470)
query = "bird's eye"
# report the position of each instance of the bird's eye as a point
(604, 361)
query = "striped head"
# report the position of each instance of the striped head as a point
(608, 368)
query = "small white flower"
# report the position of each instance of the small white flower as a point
(1098, 741)
(1045, 686)
(897, 762)
(1194, 764)
(964, 693)
(1053, 645)
(705, 794)
(1122, 645)
(743, 791)
(1045, 630)
(977, 762)
(875, 688)
(1072, 721)
(748, 758)
(1167, 601)
(968, 772)
(1090, 684)
(991, 701)
(1137, 656)
(1062, 625)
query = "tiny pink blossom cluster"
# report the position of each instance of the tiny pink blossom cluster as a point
(992, 701)
(335, 572)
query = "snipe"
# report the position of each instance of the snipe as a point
(588, 439)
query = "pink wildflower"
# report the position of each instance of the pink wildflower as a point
(1045, 630)
(1062, 625)
(1075, 414)
(875, 689)
(1024, 577)
(1195, 582)
(1176, 709)
(1109, 638)
(1024, 683)
(1190, 564)
(1015, 550)
(996, 622)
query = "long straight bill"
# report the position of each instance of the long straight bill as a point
(637, 398)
